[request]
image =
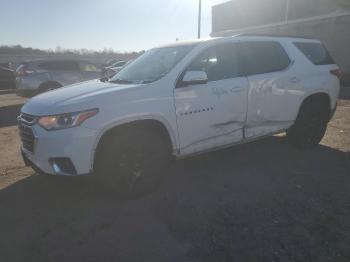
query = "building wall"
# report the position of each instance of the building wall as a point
(240, 14)
(333, 30)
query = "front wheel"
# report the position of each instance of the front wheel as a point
(133, 162)
(310, 125)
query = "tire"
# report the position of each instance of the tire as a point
(132, 162)
(310, 125)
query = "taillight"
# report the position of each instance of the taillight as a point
(337, 72)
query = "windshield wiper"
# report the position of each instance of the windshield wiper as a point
(120, 81)
(104, 79)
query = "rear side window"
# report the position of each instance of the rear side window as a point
(316, 53)
(60, 65)
(219, 62)
(262, 57)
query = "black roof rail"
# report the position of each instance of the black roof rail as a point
(276, 35)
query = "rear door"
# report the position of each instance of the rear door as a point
(213, 114)
(275, 89)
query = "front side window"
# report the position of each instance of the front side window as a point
(152, 65)
(219, 62)
(263, 57)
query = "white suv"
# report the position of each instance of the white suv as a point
(182, 99)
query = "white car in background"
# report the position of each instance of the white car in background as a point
(180, 100)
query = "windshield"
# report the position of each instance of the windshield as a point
(152, 65)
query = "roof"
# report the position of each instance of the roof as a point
(275, 36)
(239, 36)
(187, 42)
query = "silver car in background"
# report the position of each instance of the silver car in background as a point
(39, 76)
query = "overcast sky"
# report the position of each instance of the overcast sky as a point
(124, 25)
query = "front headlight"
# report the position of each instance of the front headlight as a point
(67, 120)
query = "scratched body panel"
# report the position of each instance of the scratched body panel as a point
(211, 114)
(271, 103)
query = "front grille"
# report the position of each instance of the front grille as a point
(28, 119)
(26, 132)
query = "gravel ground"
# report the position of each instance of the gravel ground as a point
(263, 201)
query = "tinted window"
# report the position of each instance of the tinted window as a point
(60, 65)
(219, 62)
(263, 57)
(316, 53)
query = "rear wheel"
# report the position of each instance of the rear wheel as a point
(310, 125)
(133, 162)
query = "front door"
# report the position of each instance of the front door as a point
(212, 114)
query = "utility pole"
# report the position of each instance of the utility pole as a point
(287, 10)
(199, 18)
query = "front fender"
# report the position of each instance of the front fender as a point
(135, 118)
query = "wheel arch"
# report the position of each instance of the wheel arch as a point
(149, 122)
(323, 97)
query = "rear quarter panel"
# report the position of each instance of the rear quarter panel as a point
(315, 78)
(31, 81)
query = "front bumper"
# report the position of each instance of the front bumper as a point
(74, 146)
(27, 162)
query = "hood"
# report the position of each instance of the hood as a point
(72, 98)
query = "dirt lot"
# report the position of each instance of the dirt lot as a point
(264, 201)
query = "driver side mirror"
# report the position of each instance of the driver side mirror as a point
(194, 78)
